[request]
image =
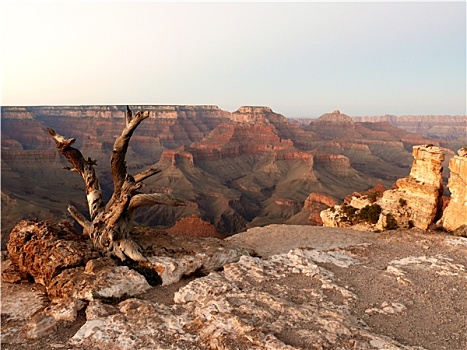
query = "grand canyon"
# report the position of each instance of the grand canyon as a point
(246, 263)
(237, 170)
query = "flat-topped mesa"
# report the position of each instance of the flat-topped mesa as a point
(184, 112)
(455, 215)
(115, 111)
(257, 115)
(335, 117)
(16, 113)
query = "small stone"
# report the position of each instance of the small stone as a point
(40, 326)
(65, 309)
(97, 309)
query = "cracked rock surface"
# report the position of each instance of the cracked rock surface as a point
(301, 287)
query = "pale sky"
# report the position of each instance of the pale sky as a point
(301, 59)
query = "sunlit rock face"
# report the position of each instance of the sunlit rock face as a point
(416, 200)
(455, 215)
(418, 197)
(257, 115)
(314, 204)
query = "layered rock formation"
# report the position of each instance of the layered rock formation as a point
(313, 206)
(418, 197)
(434, 126)
(414, 201)
(455, 215)
(237, 170)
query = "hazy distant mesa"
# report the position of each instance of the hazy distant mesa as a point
(237, 169)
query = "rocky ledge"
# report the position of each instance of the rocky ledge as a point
(414, 201)
(299, 287)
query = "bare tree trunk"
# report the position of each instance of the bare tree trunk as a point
(109, 228)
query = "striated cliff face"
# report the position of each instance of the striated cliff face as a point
(257, 115)
(238, 170)
(421, 191)
(314, 204)
(455, 215)
(449, 130)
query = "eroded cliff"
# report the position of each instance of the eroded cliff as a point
(455, 215)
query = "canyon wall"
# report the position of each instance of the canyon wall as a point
(237, 170)
(435, 126)
(417, 198)
(455, 215)
(414, 201)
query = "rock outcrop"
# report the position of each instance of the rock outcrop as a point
(313, 206)
(257, 115)
(455, 215)
(416, 201)
(45, 249)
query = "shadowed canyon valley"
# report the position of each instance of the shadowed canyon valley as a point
(237, 170)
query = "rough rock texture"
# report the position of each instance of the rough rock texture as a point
(250, 303)
(455, 215)
(307, 298)
(65, 309)
(314, 204)
(422, 190)
(100, 279)
(308, 288)
(19, 303)
(371, 195)
(44, 249)
(416, 201)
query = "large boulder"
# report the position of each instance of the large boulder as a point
(44, 249)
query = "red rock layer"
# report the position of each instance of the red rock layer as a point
(193, 226)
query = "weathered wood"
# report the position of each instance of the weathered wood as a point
(109, 227)
(117, 161)
(85, 168)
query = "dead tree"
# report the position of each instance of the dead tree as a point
(109, 224)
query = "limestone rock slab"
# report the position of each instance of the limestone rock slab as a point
(251, 304)
(100, 279)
